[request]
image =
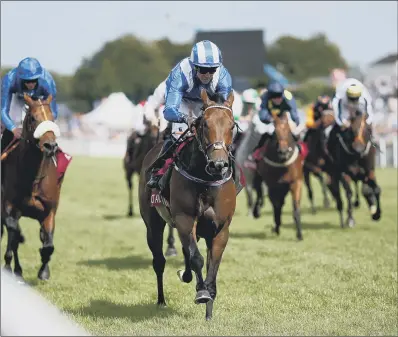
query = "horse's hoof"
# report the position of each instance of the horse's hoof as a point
(19, 278)
(376, 216)
(373, 209)
(7, 268)
(313, 210)
(202, 297)
(161, 305)
(208, 318)
(275, 230)
(188, 276)
(350, 222)
(300, 237)
(44, 273)
(21, 238)
(171, 251)
(256, 213)
(130, 214)
(356, 204)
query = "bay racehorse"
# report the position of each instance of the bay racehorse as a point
(280, 165)
(199, 199)
(32, 183)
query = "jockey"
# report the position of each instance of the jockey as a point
(351, 96)
(203, 69)
(314, 113)
(30, 78)
(153, 105)
(250, 105)
(275, 101)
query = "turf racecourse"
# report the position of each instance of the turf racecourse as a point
(335, 282)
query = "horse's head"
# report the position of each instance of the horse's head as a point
(284, 137)
(39, 127)
(360, 132)
(214, 132)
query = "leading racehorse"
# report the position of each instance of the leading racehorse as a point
(31, 185)
(199, 201)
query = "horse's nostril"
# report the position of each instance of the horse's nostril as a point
(225, 164)
(50, 146)
(212, 164)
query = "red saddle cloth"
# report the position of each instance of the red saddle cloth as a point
(63, 161)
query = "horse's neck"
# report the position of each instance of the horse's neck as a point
(194, 161)
(30, 162)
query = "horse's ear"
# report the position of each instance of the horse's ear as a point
(28, 99)
(230, 100)
(205, 98)
(49, 99)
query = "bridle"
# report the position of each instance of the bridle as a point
(199, 136)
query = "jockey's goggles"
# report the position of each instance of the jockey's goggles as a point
(204, 70)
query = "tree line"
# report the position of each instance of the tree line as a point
(136, 67)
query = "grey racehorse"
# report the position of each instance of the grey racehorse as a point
(248, 143)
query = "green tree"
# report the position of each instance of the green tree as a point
(301, 59)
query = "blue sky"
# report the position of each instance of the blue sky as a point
(61, 33)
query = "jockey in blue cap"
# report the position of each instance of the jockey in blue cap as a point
(275, 101)
(203, 69)
(30, 78)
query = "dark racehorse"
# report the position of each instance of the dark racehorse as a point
(353, 157)
(199, 200)
(315, 161)
(31, 187)
(281, 167)
(137, 148)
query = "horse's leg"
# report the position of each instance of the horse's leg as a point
(326, 201)
(345, 181)
(187, 234)
(46, 237)
(371, 191)
(333, 184)
(307, 181)
(155, 228)
(257, 181)
(215, 250)
(277, 198)
(356, 202)
(295, 189)
(129, 178)
(171, 250)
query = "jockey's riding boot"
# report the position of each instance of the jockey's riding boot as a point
(166, 149)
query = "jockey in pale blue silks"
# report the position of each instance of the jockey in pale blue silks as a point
(29, 78)
(202, 70)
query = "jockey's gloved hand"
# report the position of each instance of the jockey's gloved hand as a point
(183, 119)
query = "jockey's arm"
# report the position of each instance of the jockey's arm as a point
(6, 97)
(293, 110)
(341, 114)
(369, 109)
(224, 86)
(176, 85)
(264, 114)
(52, 90)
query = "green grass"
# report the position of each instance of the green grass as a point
(335, 282)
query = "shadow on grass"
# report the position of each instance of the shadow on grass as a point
(135, 313)
(312, 226)
(319, 210)
(128, 262)
(111, 217)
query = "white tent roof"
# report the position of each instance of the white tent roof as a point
(116, 112)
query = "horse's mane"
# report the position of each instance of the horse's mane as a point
(216, 97)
